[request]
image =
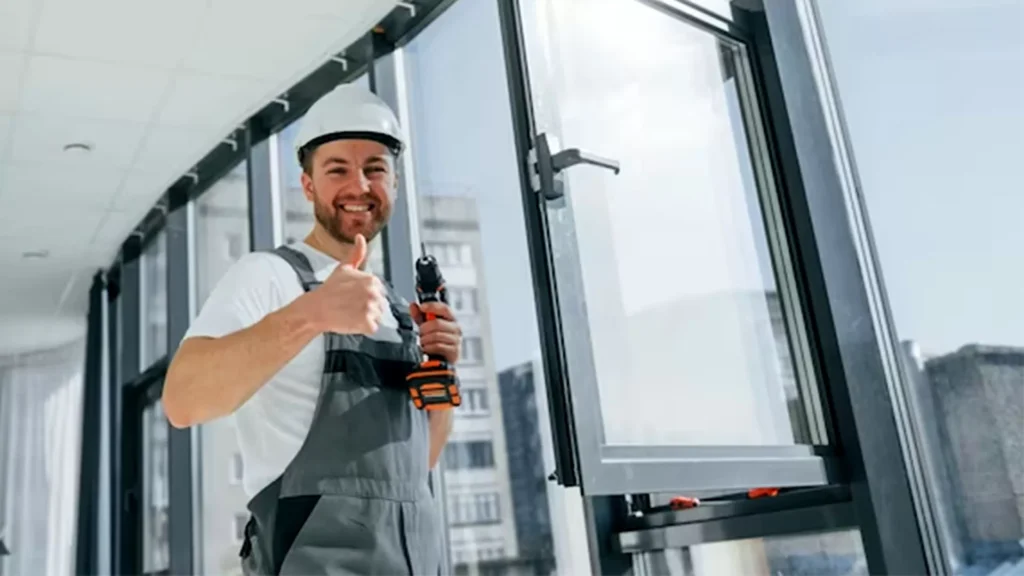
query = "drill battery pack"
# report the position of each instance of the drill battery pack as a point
(434, 385)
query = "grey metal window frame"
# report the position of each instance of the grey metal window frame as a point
(861, 400)
(182, 472)
(601, 468)
(893, 376)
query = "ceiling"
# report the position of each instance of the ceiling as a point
(151, 86)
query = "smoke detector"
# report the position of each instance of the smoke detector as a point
(35, 254)
(78, 148)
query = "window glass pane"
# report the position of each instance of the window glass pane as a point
(504, 517)
(221, 238)
(222, 229)
(296, 211)
(825, 554)
(933, 96)
(677, 269)
(156, 497)
(154, 300)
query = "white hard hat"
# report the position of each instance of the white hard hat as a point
(348, 111)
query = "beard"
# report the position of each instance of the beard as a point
(329, 217)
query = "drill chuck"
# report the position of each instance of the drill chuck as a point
(429, 281)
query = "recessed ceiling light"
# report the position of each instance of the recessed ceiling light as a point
(35, 254)
(78, 148)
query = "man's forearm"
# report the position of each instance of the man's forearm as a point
(440, 428)
(211, 377)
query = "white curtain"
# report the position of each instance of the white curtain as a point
(40, 445)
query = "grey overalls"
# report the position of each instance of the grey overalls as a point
(356, 499)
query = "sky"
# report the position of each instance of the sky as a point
(933, 94)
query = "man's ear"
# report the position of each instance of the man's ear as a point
(307, 186)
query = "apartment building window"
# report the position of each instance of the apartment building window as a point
(474, 400)
(451, 253)
(474, 509)
(236, 470)
(472, 350)
(238, 523)
(221, 229)
(235, 246)
(469, 455)
(463, 300)
(154, 300)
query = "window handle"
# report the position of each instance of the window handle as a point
(573, 156)
(544, 166)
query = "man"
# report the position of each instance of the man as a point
(309, 353)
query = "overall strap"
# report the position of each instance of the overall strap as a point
(399, 309)
(298, 261)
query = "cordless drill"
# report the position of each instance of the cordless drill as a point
(433, 384)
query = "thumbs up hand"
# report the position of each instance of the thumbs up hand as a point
(350, 301)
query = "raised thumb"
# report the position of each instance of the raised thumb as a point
(359, 255)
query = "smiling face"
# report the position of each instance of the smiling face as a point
(351, 184)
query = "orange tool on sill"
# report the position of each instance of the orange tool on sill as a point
(687, 502)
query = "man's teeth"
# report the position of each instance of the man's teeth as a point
(355, 207)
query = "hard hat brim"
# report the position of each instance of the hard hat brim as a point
(392, 143)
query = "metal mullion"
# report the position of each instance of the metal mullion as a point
(128, 503)
(871, 270)
(113, 419)
(88, 537)
(861, 403)
(260, 170)
(181, 479)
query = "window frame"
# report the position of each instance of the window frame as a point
(601, 468)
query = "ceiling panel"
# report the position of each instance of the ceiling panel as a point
(16, 24)
(11, 66)
(214, 101)
(33, 289)
(93, 90)
(41, 138)
(56, 186)
(351, 10)
(147, 186)
(174, 148)
(59, 231)
(221, 50)
(300, 36)
(157, 37)
(113, 230)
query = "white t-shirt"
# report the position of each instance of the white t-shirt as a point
(272, 425)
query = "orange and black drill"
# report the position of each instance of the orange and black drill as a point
(433, 384)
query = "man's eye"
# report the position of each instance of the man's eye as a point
(338, 171)
(373, 169)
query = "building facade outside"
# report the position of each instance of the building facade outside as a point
(478, 497)
(978, 396)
